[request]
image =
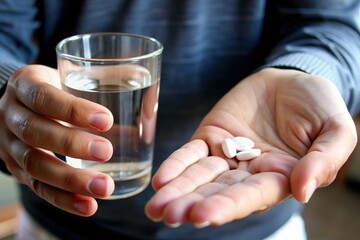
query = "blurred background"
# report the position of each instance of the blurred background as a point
(333, 212)
(8, 206)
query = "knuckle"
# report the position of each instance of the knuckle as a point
(41, 190)
(70, 112)
(69, 180)
(68, 143)
(45, 191)
(34, 185)
(28, 161)
(26, 128)
(16, 79)
(37, 94)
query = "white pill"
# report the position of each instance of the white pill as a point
(243, 143)
(248, 154)
(229, 148)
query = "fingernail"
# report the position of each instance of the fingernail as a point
(156, 219)
(99, 120)
(310, 189)
(202, 225)
(98, 186)
(173, 225)
(81, 207)
(99, 150)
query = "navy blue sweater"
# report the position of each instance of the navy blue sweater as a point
(208, 47)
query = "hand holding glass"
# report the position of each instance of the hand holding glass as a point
(122, 73)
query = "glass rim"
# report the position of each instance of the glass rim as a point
(157, 51)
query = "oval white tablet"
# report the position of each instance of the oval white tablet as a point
(243, 143)
(229, 148)
(248, 154)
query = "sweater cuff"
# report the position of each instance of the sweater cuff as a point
(305, 62)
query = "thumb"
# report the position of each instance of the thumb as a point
(328, 153)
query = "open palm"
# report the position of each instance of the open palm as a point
(300, 123)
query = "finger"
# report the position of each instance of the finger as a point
(5, 143)
(180, 160)
(204, 171)
(214, 135)
(239, 200)
(73, 203)
(49, 169)
(12, 166)
(32, 89)
(45, 133)
(177, 211)
(325, 157)
(70, 202)
(272, 161)
(233, 195)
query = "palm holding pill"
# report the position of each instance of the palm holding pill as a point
(298, 121)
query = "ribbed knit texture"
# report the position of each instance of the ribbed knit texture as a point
(209, 46)
(6, 70)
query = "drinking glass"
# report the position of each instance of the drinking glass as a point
(121, 72)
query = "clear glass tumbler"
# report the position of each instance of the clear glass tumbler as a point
(121, 72)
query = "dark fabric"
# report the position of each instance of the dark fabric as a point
(3, 168)
(135, 226)
(209, 46)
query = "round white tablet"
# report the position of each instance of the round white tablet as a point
(229, 148)
(248, 154)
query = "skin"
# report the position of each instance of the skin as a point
(31, 112)
(299, 121)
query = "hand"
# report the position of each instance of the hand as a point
(32, 115)
(300, 123)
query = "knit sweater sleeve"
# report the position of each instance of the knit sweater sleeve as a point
(17, 26)
(17, 48)
(321, 37)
